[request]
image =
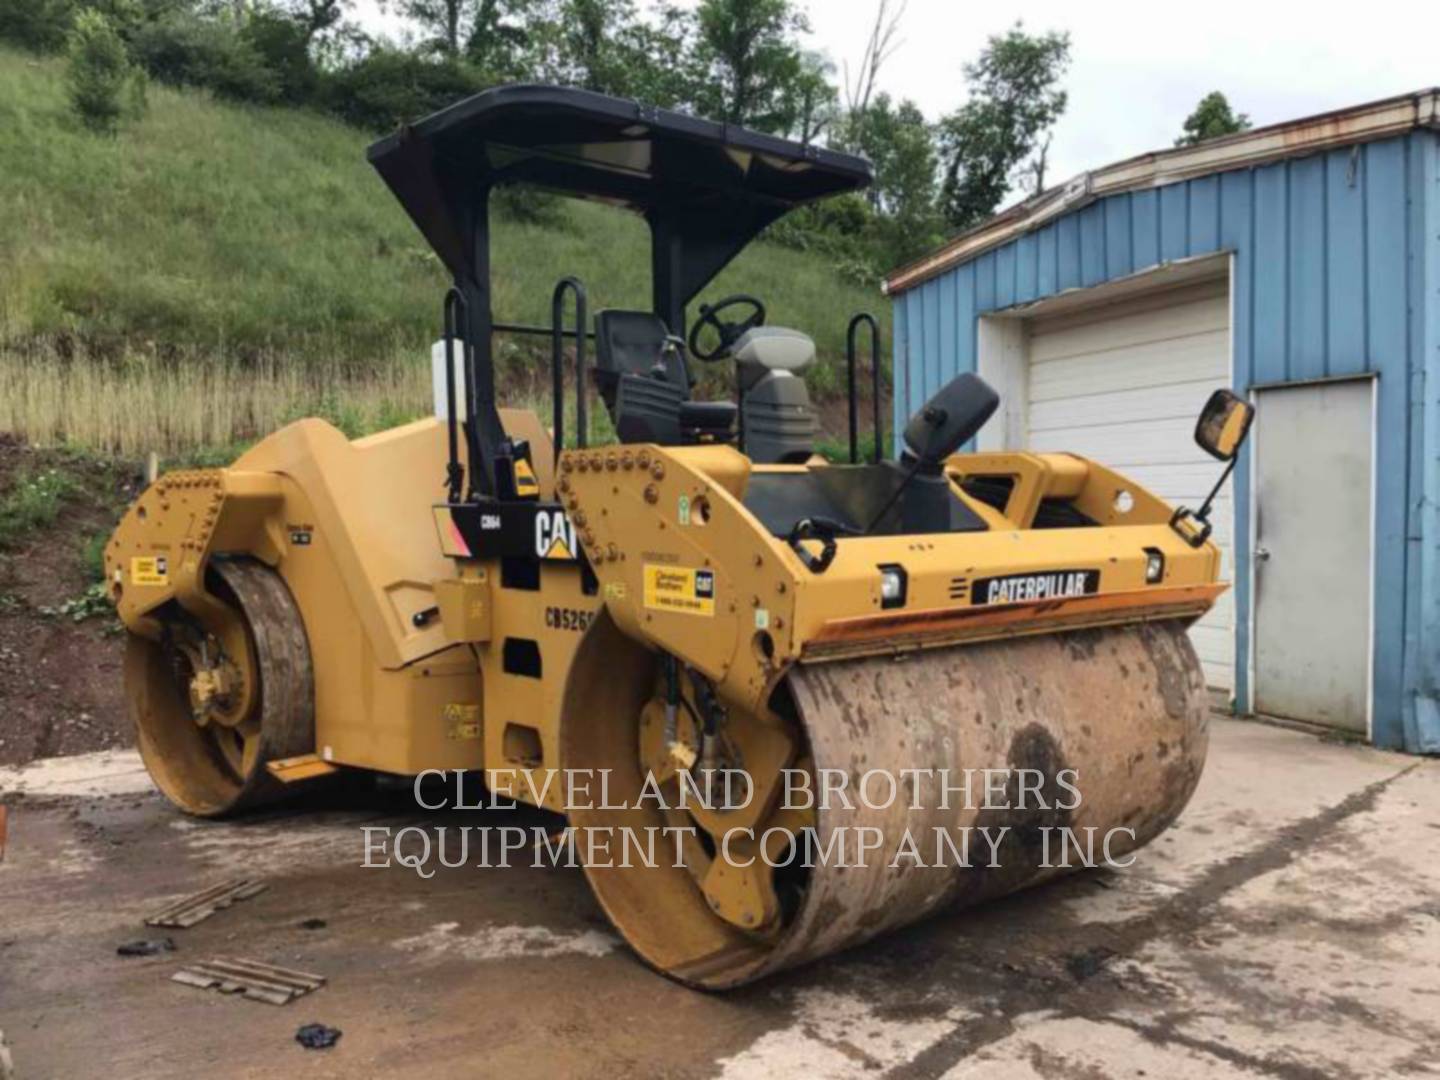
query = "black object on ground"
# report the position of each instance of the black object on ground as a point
(1082, 965)
(317, 1036)
(147, 947)
(313, 924)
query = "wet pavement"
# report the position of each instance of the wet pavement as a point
(1288, 926)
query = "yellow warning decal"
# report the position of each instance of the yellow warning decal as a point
(462, 721)
(680, 589)
(526, 486)
(149, 570)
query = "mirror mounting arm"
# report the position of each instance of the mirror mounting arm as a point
(1220, 432)
(1184, 514)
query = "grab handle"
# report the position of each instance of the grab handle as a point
(557, 361)
(866, 319)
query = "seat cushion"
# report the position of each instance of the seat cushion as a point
(708, 416)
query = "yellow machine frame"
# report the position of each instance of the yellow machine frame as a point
(355, 540)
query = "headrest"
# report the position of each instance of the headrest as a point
(775, 348)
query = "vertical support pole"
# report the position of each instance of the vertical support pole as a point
(453, 318)
(485, 435)
(851, 362)
(557, 361)
(739, 410)
(851, 393)
(666, 256)
(876, 379)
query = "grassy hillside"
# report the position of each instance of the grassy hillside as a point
(217, 270)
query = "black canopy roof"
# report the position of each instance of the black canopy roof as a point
(707, 188)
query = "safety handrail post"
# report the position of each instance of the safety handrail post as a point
(851, 359)
(454, 471)
(557, 361)
(876, 378)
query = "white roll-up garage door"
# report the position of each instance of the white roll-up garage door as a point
(1123, 383)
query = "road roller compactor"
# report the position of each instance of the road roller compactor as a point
(704, 598)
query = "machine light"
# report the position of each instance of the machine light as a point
(1154, 565)
(892, 586)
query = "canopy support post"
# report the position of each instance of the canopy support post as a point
(484, 432)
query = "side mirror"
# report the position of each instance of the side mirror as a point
(950, 419)
(1221, 431)
(1223, 425)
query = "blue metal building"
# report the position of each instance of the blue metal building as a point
(1300, 264)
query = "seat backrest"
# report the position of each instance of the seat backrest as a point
(634, 343)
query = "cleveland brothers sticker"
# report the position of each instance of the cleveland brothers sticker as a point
(680, 589)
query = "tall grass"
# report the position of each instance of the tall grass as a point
(178, 405)
(205, 409)
(217, 269)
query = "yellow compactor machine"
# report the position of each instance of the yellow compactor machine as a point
(703, 598)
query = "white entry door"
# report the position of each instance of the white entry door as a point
(1123, 383)
(1313, 448)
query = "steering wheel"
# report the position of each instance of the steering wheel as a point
(729, 332)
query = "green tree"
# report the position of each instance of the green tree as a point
(126, 16)
(104, 86)
(281, 42)
(36, 24)
(490, 34)
(749, 58)
(1212, 118)
(899, 142)
(588, 44)
(318, 16)
(668, 75)
(1014, 100)
(605, 45)
(389, 86)
(499, 36)
(189, 49)
(810, 99)
(446, 22)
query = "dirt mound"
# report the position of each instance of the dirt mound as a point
(60, 677)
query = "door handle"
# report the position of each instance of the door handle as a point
(1262, 554)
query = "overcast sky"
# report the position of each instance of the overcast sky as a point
(1137, 69)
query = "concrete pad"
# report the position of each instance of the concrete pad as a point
(1287, 927)
(99, 775)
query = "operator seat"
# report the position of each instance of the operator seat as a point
(640, 371)
(775, 411)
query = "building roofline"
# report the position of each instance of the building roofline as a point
(1259, 146)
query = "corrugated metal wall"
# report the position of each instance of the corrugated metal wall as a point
(1332, 254)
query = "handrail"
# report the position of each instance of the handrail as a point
(454, 471)
(557, 361)
(536, 331)
(850, 359)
